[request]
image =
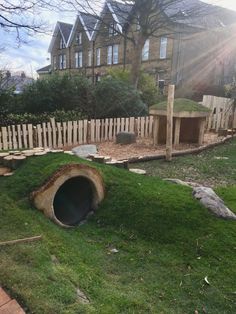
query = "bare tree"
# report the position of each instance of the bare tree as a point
(149, 18)
(22, 17)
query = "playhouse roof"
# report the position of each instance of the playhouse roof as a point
(182, 107)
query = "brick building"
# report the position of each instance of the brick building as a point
(91, 46)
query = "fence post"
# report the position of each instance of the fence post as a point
(169, 122)
(35, 140)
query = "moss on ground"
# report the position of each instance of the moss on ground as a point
(182, 104)
(167, 245)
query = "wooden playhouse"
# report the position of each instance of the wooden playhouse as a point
(189, 120)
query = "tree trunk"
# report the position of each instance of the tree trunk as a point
(137, 60)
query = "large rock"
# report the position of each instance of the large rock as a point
(84, 151)
(210, 200)
(125, 138)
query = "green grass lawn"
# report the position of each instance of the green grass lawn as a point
(206, 168)
(167, 245)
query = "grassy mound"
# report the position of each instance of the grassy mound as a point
(182, 104)
(167, 245)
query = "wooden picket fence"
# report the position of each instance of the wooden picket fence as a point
(222, 115)
(66, 134)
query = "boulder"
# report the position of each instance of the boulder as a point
(211, 201)
(125, 138)
(84, 151)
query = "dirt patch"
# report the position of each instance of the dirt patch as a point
(144, 147)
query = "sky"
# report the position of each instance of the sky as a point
(34, 54)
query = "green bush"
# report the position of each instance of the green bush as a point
(28, 118)
(58, 93)
(149, 92)
(116, 98)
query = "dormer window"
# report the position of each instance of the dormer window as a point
(79, 38)
(62, 44)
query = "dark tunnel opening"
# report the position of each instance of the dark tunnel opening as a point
(73, 201)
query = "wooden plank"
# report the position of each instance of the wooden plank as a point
(118, 125)
(102, 130)
(64, 129)
(131, 124)
(9, 136)
(110, 137)
(81, 131)
(39, 135)
(142, 126)
(59, 135)
(85, 133)
(14, 141)
(19, 139)
(45, 141)
(25, 133)
(98, 138)
(92, 127)
(4, 298)
(122, 125)
(169, 124)
(69, 133)
(177, 131)
(106, 129)
(12, 307)
(127, 125)
(4, 138)
(146, 126)
(30, 135)
(202, 125)
(54, 132)
(49, 132)
(76, 132)
(156, 125)
(150, 129)
(138, 126)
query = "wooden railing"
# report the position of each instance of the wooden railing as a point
(66, 134)
(222, 113)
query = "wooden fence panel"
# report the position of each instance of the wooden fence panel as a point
(57, 135)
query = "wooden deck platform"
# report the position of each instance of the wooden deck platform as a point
(8, 305)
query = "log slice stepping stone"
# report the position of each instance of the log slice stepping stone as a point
(4, 170)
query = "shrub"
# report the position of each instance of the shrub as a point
(27, 118)
(57, 93)
(116, 98)
(149, 92)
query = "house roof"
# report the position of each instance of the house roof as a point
(88, 22)
(17, 82)
(46, 69)
(64, 29)
(200, 14)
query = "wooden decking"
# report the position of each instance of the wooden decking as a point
(8, 305)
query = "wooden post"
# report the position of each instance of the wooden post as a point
(177, 131)
(155, 130)
(169, 122)
(202, 124)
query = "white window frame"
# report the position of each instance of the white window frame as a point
(79, 38)
(98, 56)
(109, 55)
(79, 59)
(146, 50)
(115, 52)
(62, 61)
(163, 47)
(90, 57)
(62, 44)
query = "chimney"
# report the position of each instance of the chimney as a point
(8, 74)
(23, 75)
